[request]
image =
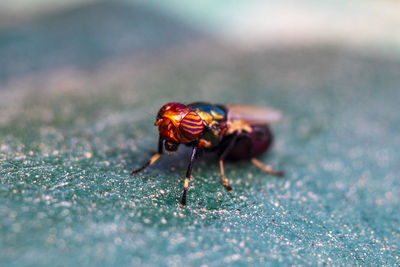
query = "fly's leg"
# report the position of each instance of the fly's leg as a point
(188, 173)
(224, 180)
(147, 164)
(153, 159)
(221, 162)
(267, 168)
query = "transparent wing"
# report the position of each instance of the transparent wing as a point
(253, 115)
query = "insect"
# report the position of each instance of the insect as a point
(234, 132)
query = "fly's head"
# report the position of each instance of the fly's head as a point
(178, 124)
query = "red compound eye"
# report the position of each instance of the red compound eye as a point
(191, 125)
(173, 106)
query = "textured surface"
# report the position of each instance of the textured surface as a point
(69, 138)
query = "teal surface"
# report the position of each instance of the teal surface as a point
(71, 136)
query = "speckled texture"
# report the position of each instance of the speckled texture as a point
(69, 139)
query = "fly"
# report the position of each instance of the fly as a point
(234, 132)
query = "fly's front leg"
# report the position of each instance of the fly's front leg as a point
(188, 173)
(153, 159)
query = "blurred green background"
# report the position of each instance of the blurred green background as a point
(81, 82)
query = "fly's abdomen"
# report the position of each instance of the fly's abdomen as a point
(249, 145)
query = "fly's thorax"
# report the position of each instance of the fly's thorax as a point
(211, 138)
(212, 115)
(214, 119)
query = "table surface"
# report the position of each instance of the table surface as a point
(77, 111)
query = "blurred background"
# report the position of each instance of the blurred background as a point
(81, 82)
(38, 36)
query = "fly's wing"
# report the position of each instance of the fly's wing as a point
(253, 115)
